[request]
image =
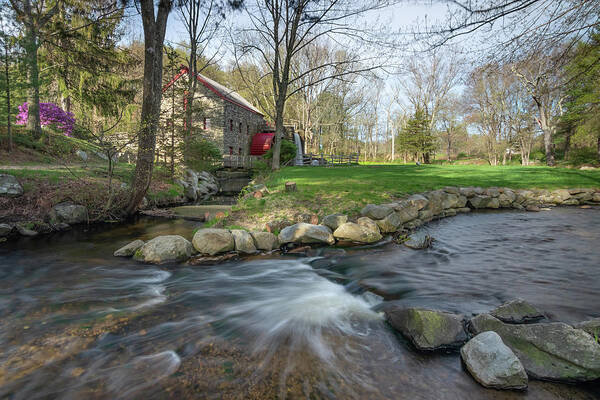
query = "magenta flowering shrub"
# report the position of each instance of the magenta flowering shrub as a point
(50, 114)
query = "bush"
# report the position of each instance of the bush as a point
(461, 155)
(288, 152)
(584, 155)
(202, 154)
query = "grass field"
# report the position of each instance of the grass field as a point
(324, 190)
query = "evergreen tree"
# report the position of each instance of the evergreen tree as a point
(416, 136)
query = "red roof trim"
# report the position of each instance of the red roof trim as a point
(184, 70)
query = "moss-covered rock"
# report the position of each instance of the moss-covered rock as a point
(428, 329)
(549, 351)
(517, 312)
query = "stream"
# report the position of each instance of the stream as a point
(78, 323)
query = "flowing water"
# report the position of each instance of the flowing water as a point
(78, 323)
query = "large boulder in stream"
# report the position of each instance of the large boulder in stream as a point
(306, 233)
(352, 232)
(167, 248)
(265, 241)
(68, 213)
(243, 241)
(9, 186)
(548, 351)
(129, 249)
(213, 241)
(517, 312)
(428, 329)
(492, 363)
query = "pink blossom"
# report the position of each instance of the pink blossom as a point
(50, 114)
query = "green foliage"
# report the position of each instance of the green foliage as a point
(416, 136)
(581, 118)
(584, 155)
(202, 154)
(288, 152)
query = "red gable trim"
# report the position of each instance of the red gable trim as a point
(184, 70)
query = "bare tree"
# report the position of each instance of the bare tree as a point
(541, 76)
(509, 29)
(201, 19)
(154, 36)
(280, 29)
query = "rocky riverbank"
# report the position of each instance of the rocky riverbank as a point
(197, 186)
(376, 221)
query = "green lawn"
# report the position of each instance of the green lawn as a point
(325, 190)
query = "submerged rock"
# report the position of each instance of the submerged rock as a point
(517, 312)
(243, 241)
(69, 213)
(550, 351)
(265, 241)
(10, 186)
(356, 233)
(129, 249)
(492, 363)
(333, 221)
(212, 241)
(163, 249)
(419, 242)
(428, 329)
(306, 233)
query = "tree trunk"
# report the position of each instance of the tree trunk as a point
(547, 130)
(598, 145)
(567, 147)
(279, 130)
(7, 75)
(154, 35)
(33, 91)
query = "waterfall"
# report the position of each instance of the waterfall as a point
(298, 160)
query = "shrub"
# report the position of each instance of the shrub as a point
(584, 155)
(288, 152)
(50, 114)
(202, 154)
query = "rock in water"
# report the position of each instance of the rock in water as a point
(356, 233)
(517, 312)
(243, 241)
(5, 230)
(492, 363)
(212, 241)
(428, 329)
(69, 213)
(549, 351)
(306, 233)
(163, 249)
(9, 186)
(129, 249)
(591, 326)
(419, 242)
(265, 241)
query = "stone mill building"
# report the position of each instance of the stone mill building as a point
(220, 114)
